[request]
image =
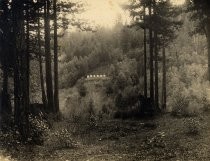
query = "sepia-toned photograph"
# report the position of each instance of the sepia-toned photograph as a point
(104, 80)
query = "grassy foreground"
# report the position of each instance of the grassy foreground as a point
(161, 138)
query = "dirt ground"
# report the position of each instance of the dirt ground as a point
(162, 138)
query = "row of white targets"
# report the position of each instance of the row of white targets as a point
(96, 76)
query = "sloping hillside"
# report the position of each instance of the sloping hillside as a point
(73, 104)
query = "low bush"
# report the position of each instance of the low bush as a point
(180, 104)
(188, 100)
(59, 139)
(11, 137)
(39, 128)
(193, 126)
(82, 90)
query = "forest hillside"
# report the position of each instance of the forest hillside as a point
(118, 53)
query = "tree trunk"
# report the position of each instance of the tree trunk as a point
(26, 71)
(156, 73)
(151, 59)
(208, 45)
(5, 61)
(16, 67)
(16, 90)
(145, 58)
(49, 85)
(156, 60)
(56, 93)
(164, 81)
(44, 99)
(6, 108)
(21, 70)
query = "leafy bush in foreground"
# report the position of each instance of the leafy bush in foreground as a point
(193, 126)
(59, 139)
(38, 129)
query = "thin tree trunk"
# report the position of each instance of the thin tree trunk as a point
(164, 81)
(156, 73)
(151, 59)
(5, 81)
(16, 69)
(44, 99)
(156, 62)
(27, 72)
(6, 104)
(16, 90)
(50, 106)
(56, 93)
(208, 45)
(145, 58)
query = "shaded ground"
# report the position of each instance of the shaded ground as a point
(163, 138)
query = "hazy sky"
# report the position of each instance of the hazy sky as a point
(106, 12)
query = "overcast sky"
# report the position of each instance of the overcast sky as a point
(106, 12)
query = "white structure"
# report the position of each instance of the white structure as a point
(96, 76)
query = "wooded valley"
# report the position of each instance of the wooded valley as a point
(72, 89)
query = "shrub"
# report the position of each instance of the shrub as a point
(11, 137)
(179, 105)
(119, 101)
(91, 113)
(91, 108)
(187, 99)
(187, 89)
(193, 126)
(38, 129)
(59, 139)
(105, 109)
(109, 88)
(82, 89)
